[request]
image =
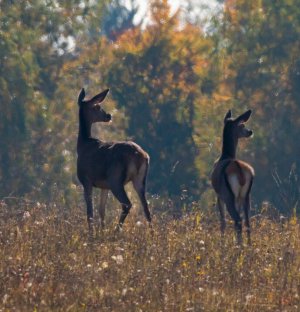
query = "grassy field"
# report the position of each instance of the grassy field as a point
(48, 262)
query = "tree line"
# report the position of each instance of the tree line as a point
(171, 82)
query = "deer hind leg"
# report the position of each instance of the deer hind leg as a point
(103, 200)
(120, 194)
(247, 207)
(142, 196)
(230, 204)
(139, 184)
(220, 205)
(230, 201)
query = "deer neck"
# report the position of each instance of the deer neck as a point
(84, 130)
(229, 146)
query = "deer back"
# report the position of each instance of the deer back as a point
(103, 162)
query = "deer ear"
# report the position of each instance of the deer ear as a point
(227, 116)
(97, 99)
(81, 96)
(244, 117)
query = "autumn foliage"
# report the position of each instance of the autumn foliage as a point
(171, 82)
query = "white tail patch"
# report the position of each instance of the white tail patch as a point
(239, 191)
(234, 183)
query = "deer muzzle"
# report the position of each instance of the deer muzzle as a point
(108, 117)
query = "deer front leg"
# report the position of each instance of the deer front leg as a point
(103, 200)
(88, 196)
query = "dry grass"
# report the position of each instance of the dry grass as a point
(48, 263)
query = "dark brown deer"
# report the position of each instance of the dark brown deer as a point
(232, 178)
(108, 165)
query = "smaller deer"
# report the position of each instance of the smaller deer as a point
(108, 165)
(232, 178)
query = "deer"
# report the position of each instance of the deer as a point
(108, 165)
(232, 178)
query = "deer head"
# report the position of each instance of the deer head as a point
(91, 109)
(235, 128)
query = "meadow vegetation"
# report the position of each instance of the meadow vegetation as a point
(49, 262)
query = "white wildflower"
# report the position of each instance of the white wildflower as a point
(26, 215)
(104, 265)
(119, 259)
